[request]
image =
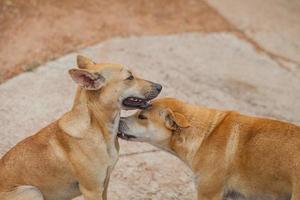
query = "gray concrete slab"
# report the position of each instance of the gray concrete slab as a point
(273, 24)
(216, 70)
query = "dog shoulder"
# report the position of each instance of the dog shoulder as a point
(74, 124)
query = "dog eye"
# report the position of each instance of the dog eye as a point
(142, 116)
(130, 78)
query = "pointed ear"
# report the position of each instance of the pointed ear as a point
(87, 80)
(175, 120)
(84, 62)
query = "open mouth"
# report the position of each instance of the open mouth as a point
(136, 102)
(125, 136)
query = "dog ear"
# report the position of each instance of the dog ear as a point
(175, 120)
(87, 80)
(84, 62)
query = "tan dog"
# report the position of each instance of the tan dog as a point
(76, 154)
(231, 155)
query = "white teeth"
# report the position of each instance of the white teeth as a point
(137, 100)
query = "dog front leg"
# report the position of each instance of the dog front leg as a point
(105, 187)
(210, 191)
(95, 193)
(94, 189)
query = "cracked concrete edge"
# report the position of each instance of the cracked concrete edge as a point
(283, 61)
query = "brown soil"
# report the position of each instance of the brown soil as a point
(34, 31)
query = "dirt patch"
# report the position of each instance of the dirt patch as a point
(35, 31)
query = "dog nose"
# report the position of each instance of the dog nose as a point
(121, 123)
(158, 87)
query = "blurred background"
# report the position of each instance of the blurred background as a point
(229, 54)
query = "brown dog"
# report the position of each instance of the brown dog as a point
(76, 154)
(230, 154)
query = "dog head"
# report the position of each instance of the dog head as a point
(116, 84)
(155, 125)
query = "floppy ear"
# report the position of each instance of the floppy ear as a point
(84, 62)
(175, 120)
(87, 80)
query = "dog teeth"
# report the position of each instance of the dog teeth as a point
(137, 100)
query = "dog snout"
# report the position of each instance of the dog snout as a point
(151, 90)
(156, 89)
(122, 125)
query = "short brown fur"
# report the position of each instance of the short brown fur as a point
(228, 152)
(75, 154)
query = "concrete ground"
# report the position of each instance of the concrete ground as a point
(216, 70)
(254, 70)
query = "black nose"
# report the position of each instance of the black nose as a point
(158, 87)
(121, 123)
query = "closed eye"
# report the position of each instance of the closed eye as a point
(143, 117)
(130, 77)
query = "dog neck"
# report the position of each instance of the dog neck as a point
(186, 142)
(91, 112)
